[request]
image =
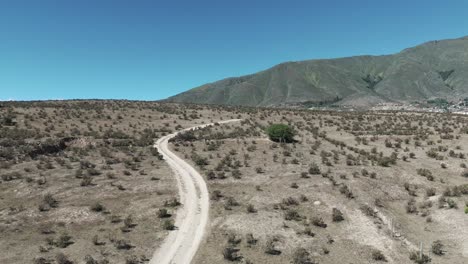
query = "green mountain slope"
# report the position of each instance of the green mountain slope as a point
(431, 70)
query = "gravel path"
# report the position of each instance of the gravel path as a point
(182, 244)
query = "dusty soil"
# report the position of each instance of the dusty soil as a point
(397, 178)
(271, 175)
(97, 196)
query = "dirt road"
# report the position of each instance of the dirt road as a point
(181, 245)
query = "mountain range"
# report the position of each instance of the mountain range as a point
(433, 70)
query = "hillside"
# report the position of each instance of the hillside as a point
(435, 69)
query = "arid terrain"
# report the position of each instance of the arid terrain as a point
(81, 183)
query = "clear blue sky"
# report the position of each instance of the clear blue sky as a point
(150, 50)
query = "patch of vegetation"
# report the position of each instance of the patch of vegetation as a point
(444, 75)
(302, 256)
(377, 255)
(419, 258)
(439, 102)
(437, 248)
(322, 103)
(372, 80)
(280, 133)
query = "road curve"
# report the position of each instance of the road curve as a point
(181, 245)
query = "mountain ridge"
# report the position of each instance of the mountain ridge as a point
(434, 69)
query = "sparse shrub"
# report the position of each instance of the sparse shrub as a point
(451, 203)
(426, 204)
(292, 214)
(378, 202)
(314, 169)
(417, 258)
(96, 241)
(47, 229)
(430, 192)
(216, 195)
(308, 231)
(43, 207)
(432, 153)
(337, 215)
(50, 201)
(211, 175)
(364, 172)
(90, 260)
(250, 239)
(110, 175)
(199, 160)
(437, 248)
(232, 254)
(464, 173)
(367, 210)
(318, 221)
(344, 189)
(233, 239)
(251, 208)
(41, 260)
(290, 201)
(385, 161)
(168, 224)
(377, 255)
(301, 256)
(163, 213)
(425, 173)
(442, 201)
(174, 202)
(231, 201)
(128, 222)
(236, 174)
(86, 181)
(61, 258)
(93, 172)
(411, 206)
(132, 259)
(122, 244)
(407, 186)
(115, 219)
(325, 250)
(64, 240)
(271, 246)
(97, 207)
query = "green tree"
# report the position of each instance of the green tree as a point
(280, 133)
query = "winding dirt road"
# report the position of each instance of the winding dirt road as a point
(182, 244)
